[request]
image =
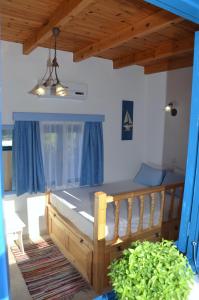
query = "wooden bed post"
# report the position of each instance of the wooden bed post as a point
(47, 196)
(99, 241)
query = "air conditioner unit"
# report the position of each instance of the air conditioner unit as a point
(77, 91)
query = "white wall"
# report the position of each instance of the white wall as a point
(106, 89)
(179, 83)
(31, 210)
(153, 141)
(156, 85)
(167, 136)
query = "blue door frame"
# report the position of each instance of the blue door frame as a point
(189, 9)
(188, 230)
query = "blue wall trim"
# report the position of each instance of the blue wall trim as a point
(29, 116)
(188, 9)
(192, 153)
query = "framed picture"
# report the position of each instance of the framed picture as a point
(127, 119)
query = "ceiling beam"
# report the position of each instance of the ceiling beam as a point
(164, 50)
(150, 24)
(169, 64)
(66, 11)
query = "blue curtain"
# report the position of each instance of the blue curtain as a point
(27, 154)
(92, 168)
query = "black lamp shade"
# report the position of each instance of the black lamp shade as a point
(174, 112)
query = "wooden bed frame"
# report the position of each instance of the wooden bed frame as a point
(92, 257)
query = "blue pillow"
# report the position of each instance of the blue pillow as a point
(172, 177)
(149, 176)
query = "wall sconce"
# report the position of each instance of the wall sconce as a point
(170, 108)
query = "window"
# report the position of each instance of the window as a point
(7, 138)
(7, 132)
(62, 149)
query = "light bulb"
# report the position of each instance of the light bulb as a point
(61, 90)
(41, 90)
(167, 108)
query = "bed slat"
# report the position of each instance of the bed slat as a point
(153, 198)
(171, 208)
(130, 211)
(117, 214)
(162, 201)
(140, 226)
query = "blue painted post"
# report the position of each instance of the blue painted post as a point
(192, 156)
(4, 275)
(188, 9)
(194, 221)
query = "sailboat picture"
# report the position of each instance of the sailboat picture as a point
(128, 123)
(127, 120)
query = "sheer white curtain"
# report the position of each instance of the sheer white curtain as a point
(62, 150)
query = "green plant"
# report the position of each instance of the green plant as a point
(151, 271)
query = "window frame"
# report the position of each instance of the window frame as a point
(7, 148)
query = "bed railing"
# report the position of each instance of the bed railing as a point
(152, 194)
(101, 246)
(151, 231)
(149, 194)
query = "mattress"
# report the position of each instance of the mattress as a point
(77, 205)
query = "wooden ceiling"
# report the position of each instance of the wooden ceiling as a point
(128, 32)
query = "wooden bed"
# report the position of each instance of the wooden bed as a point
(92, 256)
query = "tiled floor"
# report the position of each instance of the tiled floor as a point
(19, 290)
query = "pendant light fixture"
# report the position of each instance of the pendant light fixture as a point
(50, 85)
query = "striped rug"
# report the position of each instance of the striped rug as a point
(47, 273)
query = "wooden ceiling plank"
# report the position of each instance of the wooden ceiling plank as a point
(20, 19)
(164, 50)
(146, 26)
(66, 11)
(188, 26)
(125, 10)
(176, 32)
(169, 64)
(36, 11)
